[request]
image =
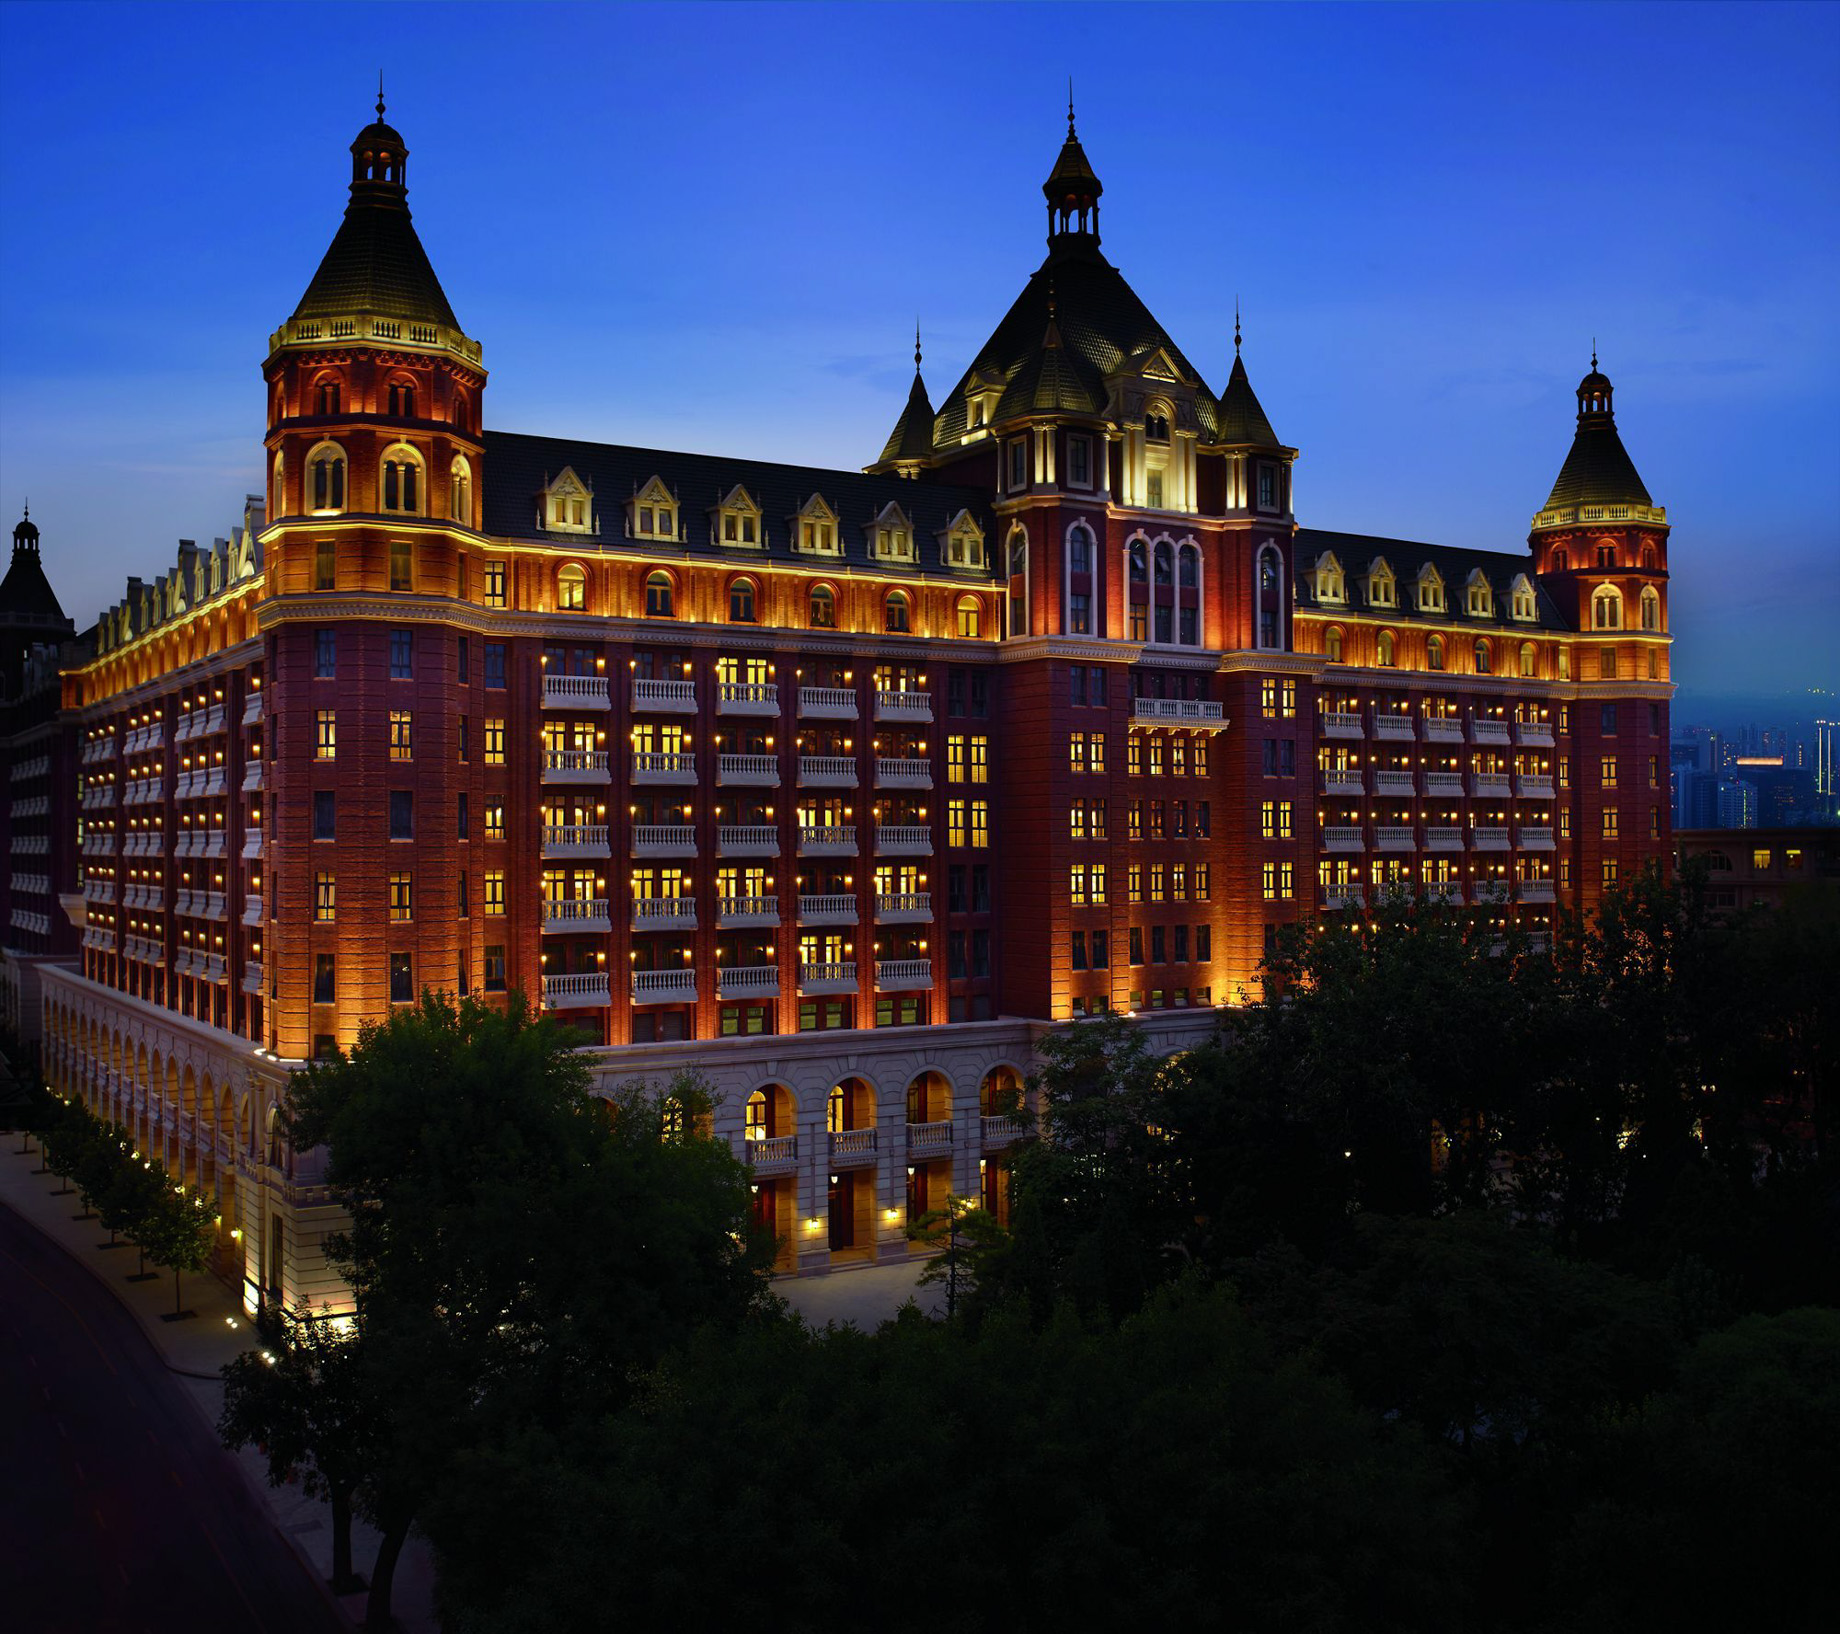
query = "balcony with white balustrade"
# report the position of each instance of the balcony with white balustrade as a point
(1534, 890)
(827, 703)
(252, 708)
(904, 908)
(1400, 784)
(576, 692)
(914, 707)
(1534, 734)
(658, 769)
(772, 1154)
(1486, 891)
(999, 1131)
(747, 912)
(902, 840)
(1337, 897)
(747, 698)
(1483, 730)
(664, 697)
(903, 774)
(747, 840)
(821, 980)
(664, 913)
(582, 990)
(827, 771)
(1346, 781)
(903, 975)
(252, 910)
(564, 841)
(1442, 729)
(850, 1147)
(252, 976)
(252, 777)
(1489, 785)
(1488, 839)
(930, 1137)
(577, 915)
(1531, 787)
(1447, 891)
(748, 771)
(1394, 837)
(663, 840)
(1201, 712)
(747, 982)
(1394, 728)
(252, 846)
(1536, 837)
(832, 840)
(835, 908)
(1443, 785)
(1341, 723)
(1439, 837)
(1343, 837)
(576, 766)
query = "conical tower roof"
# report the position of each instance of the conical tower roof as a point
(1242, 419)
(912, 437)
(1598, 470)
(26, 596)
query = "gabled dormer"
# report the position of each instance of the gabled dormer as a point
(891, 536)
(961, 542)
(1382, 586)
(1523, 608)
(814, 529)
(1478, 595)
(1328, 581)
(651, 513)
(737, 521)
(983, 391)
(1430, 589)
(566, 504)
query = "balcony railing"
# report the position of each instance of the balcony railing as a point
(929, 1137)
(1341, 723)
(1438, 838)
(252, 910)
(827, 703)
(903, 975)
(664, 913)
(102, 748)
(1489, 786)
(252, 976)
(770, 1152)
(648, 766)
(1337, 897)
(1395, 728)
(1177, 712)
(904, 706)
(1343, 782)
(832, 840)
(747, 982)
(747, 840)
(575, 840)
(903, 907)
(747, 698)
(827, 771)
(252, 777)
(1342, 837)
(665, 697)
(663, 840)
(736, 912)
(1488, 839)
(903, 774)
(820, 979)
(852, 1145)
(1489, 890)
(1444, 785)
(664, 986)
(582, 990)
(1534, 890)
(576, 692)
(252, 708)
(835, 909)
(1443, 729)
(1004, 1131)
(1536, 837)
(576, 765)
(1484, 730)
(1534, 734)
(1447, 891)
(903, 840)
(1535, 788)
(1394, 838)
(748, 771)
(1397, 783)
(582, 914)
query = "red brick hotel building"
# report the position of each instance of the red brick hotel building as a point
(838, 785)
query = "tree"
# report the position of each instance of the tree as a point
(177, 1233)
(965, 1238)
(130, 1193)
(304, 1400)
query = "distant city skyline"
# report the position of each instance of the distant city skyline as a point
(713, 227)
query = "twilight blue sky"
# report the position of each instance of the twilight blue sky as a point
(711, 227)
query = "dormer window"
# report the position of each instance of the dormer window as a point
(981, 398)
(1268, 488)
(1430, 590)
(1382, 588)
(1331, 585)
(1520, 600)
(964, 543)
(568, 506)
(738, 521)
(1156, 427)
(815, 528)
(652, 512)
(891, 536)
(1479, 596)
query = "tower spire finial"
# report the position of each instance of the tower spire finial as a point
(1070, 107)
(1236, 326)
(916, 343)
(1593, 351)
(380, 94)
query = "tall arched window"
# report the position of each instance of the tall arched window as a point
(1606, 556)
(1270, 598)
(1079, 550)
(1018, 565)
(1560, 563)
(402, 399)
(1651, 608)
(402, 480)
(1080, 587)
(1606, 608)
(970, 617)
(278, 505)
(1140, 572)
(1434, 652)
(1648, 558)
(1384, 649)
(571, 589)
(460, 491)
(894, 612)
(1332, 644)
(823, 607)
(1527, 660)
(326, 478)
(460, 411)
(1165, 563)
(741, 601)
(660, 596)
(1483, 656)
(326, 395)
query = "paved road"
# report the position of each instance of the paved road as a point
(119, 1511)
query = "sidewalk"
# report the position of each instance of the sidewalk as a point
(864, 1298)
(195, 1351)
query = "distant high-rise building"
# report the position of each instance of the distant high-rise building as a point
(1737, 805)
(1824, 732)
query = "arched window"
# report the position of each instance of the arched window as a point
(970, 617)
(461, 411)
(1528, 658)
(1651, 608)
(1606, 608)
(278, 505)
(402, 480)
(1434, 652)
(1165, 563)
(1560, 562)
(326, 395)
(1140, 572)
(1018, 551)
(660, 596)
(1079, 550)
(1606, 556)
(1156, 426)
(402, 400)
(1332, 644)
(1270, 598)
(823, 607)
(1188, 567)
(1384, 649)
(571, 589)
(741, 601)
(754, 1126)
(1482, 657)
(1648, 558)
(326, 478)
(460, 492)
(894, 612)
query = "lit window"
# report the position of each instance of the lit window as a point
(325, 734)
(980, 759)
(325, 896)
(955, 822)
(571, 589)
(402, 480)
(494, 891)
(815, 528)
(660, 595)
(495, 584)
(402, 738)
(980, 823)
(495, 819)
(823, 607)
(970, 617)
(495, 743)
(741, 601)
(895, 612)
(400, 896)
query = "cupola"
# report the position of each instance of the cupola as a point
(1072, 191)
